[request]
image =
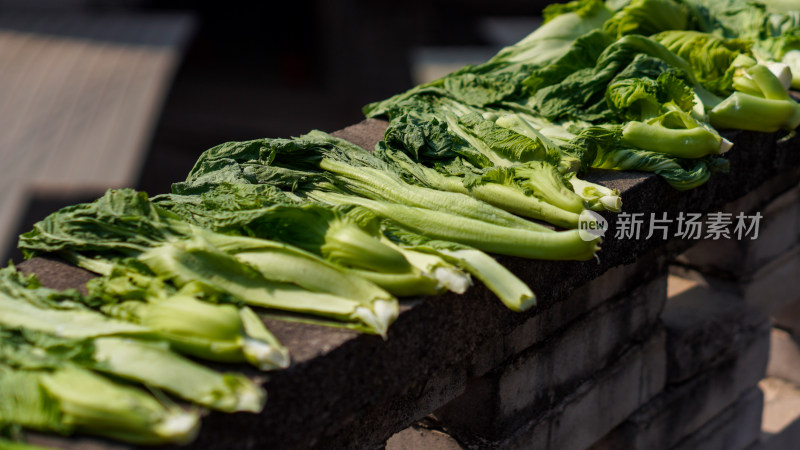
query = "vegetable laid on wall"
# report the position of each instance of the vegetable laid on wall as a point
(494, 158)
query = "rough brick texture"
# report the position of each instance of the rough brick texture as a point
(600, 403)
(538, 378)
(548, 321)
(682, 409)
(779, 231)
(768, 290)
(705, 325)
(737, 427)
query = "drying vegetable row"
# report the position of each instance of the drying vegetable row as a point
(625, 85)
(316, 229)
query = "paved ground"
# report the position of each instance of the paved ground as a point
(79, 99)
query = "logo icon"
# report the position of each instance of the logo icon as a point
(591, 225)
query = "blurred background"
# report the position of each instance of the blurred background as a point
(128, 93)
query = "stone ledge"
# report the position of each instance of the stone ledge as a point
(345, 389)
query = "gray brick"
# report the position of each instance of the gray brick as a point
(684, 408)
(779, 231)
(611, 284)
(540, 377)
(767, 290)
(780, 228)
(735, 428)
(775, 285)
(705, 325)
(599, 404)
(581, 349)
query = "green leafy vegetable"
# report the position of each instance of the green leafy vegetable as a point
(71, 399)
(772, 27)
(512, 188)
(443, 215)
(562, 26)
(337, 164)
(148, 362)
(766, 106)
(648, 17)
(127, 223)
(512, 291)
(198, 264)
(710, 57)
(349, 239)
(481, 235)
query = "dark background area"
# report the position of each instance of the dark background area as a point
(278, 69)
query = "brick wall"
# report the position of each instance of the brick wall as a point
(700, 355)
